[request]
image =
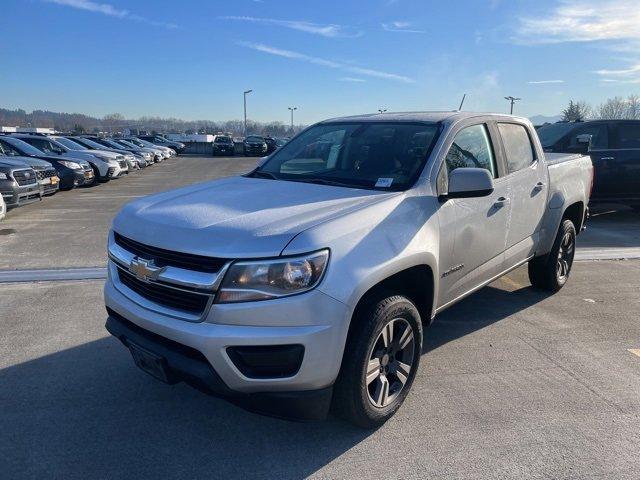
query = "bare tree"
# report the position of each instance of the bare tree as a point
(613, 109)
(633, 107)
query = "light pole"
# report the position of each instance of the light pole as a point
(245, 110)
(382, 110)
(513, 100)
(292, 109)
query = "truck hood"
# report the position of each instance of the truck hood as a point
(237, 217)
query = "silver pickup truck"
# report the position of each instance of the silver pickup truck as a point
(305, 284)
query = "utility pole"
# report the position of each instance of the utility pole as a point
(292, 109)
(513, 100)
(245, 110)
(382, 110)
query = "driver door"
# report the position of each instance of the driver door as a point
(473, 230)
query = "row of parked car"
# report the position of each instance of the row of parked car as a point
(33, 166)
(226, 145)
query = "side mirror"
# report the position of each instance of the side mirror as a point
(470, 183)
(584, 143)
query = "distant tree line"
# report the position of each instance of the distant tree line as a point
(616, 108)
(116, 122)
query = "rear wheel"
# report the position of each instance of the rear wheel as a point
(380, 361)
(550, 272)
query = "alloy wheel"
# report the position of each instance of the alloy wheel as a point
(390, 362)
(565, 256)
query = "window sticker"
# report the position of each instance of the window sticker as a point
(384, 182)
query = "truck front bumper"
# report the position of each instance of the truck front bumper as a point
(201, 353)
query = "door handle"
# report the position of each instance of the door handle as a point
(501, 202)
(539, 186)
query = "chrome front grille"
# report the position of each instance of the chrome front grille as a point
(163, 258)
(25, 177)
(171, 283)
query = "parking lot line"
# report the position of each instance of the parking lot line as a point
(52, 275)
(635, 351)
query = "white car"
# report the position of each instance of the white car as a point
(104, 166)
(116, 160)
(3, 208)
(166, 152)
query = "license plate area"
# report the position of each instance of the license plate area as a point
(150, 363)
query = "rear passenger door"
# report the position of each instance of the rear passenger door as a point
(623, 170)
(526, 175)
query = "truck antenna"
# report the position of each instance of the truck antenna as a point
(462, 102)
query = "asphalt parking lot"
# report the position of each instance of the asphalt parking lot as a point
(513, 383)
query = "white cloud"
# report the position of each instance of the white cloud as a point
(400, 26)
(352, 79)
(632, 70)
(326, 30)
(109, 10)
(260, 47)
(583, 21)
(544, 82)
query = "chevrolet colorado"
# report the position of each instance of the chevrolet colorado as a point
(305, 283)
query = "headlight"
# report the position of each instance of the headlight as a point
(3, 176)
(72, 165)
(267, 279)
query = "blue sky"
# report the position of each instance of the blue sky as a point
(192, 59)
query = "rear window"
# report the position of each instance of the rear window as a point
(518, 149)
(629, 135)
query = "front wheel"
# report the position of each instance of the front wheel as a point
(380, 361)
(550, 272)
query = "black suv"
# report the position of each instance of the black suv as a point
(223, 145)
(255, 145)
(615, 152)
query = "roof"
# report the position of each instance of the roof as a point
(416, 117)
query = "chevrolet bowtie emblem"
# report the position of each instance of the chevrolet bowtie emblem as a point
(144, 270)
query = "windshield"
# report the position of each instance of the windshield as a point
(223, 140)
(70, 144)
(126, 144)
(92, 144)
(550, 134)
(23, 147)
(388, 156)
(254, 139)
(145, 143)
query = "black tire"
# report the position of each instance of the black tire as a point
(550, 272)
(354, 397)
(97, 178)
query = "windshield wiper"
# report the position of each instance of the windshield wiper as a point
(324, 181)
(263, 174)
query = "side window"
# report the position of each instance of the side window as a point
(517, 144)
(8, 150)
(471, 148)
(43, 145)
(628, 135)
(599, 136)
